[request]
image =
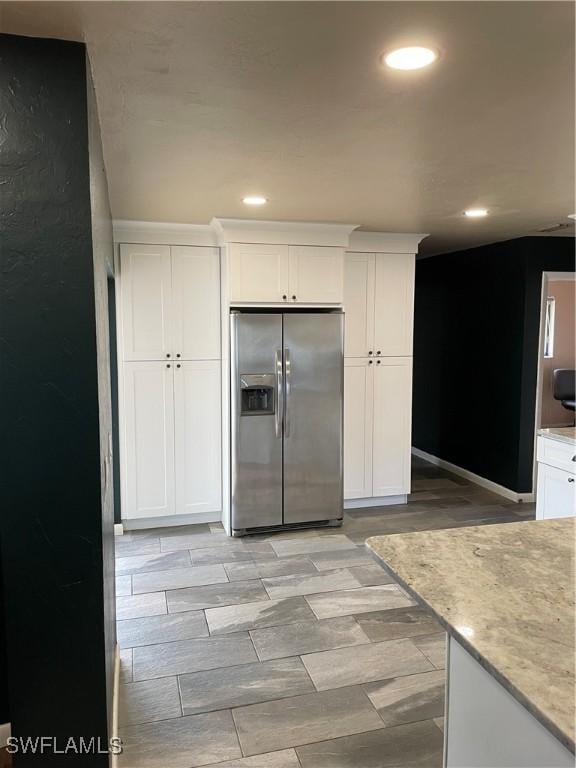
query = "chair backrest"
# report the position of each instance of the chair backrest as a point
(564, 383)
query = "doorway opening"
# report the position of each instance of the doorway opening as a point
(556, 353)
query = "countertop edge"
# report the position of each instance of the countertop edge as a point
(551, 727)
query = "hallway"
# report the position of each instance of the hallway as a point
(286, 650)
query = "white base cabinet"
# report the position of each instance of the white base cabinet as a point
(172, 438)
(377, 408)
(148, 427)
(556, 488)
(197, 436)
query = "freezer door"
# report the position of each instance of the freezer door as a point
(256, 413)
(313, 362)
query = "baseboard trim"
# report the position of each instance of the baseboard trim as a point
(489, 485)
(374, 501)
(115, 704)
(118, 529)
(5, 733)
(170, 521)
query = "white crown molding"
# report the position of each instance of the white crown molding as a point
(384, 242)
(281, 232)
(162, 233)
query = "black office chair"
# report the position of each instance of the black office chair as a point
(565, 387)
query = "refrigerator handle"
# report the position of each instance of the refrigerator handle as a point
(279, 394)
(287, 393)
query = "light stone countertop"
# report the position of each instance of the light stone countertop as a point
(506, 593)
(563, 434)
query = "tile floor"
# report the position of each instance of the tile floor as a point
(292, 650)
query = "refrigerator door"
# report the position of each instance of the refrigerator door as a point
(256, 413)
(314, 364)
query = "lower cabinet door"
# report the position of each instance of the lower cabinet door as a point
(197, 409)
(392, 426)
(148, 456)
(358, 417)
(556, 495)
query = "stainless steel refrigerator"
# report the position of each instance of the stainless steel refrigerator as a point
(286, 430)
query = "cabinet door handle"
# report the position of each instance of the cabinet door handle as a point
(167, 354)
(168, 366)
(573, 458)
(178, 365)
(570, 479)
(378, 353)
(378, 362)
(178, 355)
(284, 297)
(370, 362)
(370, 352)
(294, 297)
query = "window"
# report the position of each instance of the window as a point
(549, 327)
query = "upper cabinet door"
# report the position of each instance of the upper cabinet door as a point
(316, 274)
(258, 273)
(394, 304)
(146, 286)
(196, 303)
(392, 426)
(359, 304)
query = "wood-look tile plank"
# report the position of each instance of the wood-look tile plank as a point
(148, 701)
(178, 578)
(307, 637)
(355, 601)
(266, 613)
(242, 685)
(182, 656)
(312, 717)
(213, 595)
(185, 742)
(410, 698)
(161, 629)
(138, 606)
(418, 745)
(364, 663)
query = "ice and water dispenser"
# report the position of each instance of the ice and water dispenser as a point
(257, 394)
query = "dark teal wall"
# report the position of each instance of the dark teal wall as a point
(55, 530)
(476, 333)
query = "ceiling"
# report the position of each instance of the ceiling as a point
(202, 103)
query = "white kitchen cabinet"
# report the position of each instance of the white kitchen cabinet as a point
(170, 302)
(196, 302)
(359, 304)
(377, 427)
(146, 287)
(316, 274)
(148, 437)
(282, 274)
(556, 490)
(392, 426)
(258, 273)
(358, 423)
(556, 495)
(197, 436)
(170, 408)
(394, 304)
(379, 304)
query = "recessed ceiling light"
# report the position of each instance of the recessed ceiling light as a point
(414, 57)
(254, 200)
(476, 213)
